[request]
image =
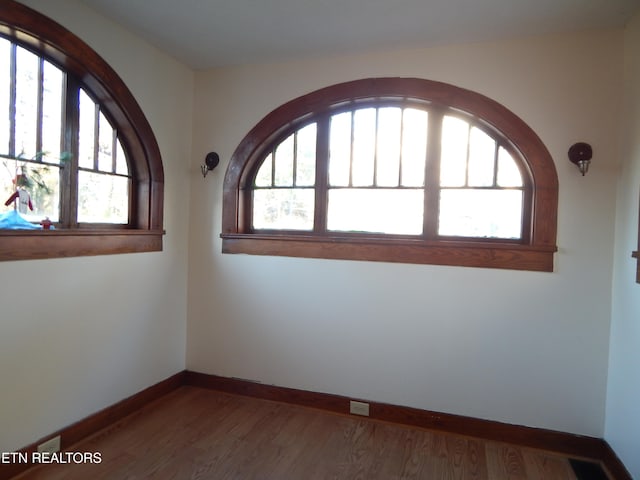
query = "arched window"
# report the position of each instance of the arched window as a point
(393, 169)
(76, 151)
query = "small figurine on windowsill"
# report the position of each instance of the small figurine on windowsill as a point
(46, 223)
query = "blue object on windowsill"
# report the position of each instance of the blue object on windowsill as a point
(14, 221)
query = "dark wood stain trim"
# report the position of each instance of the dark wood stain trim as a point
(487, 255)
(31, 245)
(86, 427)
(578, 446)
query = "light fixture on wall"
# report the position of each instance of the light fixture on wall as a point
(210, 162)
(580, 154)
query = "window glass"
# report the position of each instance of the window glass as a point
(306, 156)
(265, 174)
(86, 135)
(508, 171)
(122, 166)
(5, 95)
(52, 95)
(102, 198)
(105, 145)
(414, 147)
(340, 149)
(482, 154)
(283, 160)
(389, 143)
(453, 164)
(363, 147)
(26, 117)
(391, 211)
(480, 213)
(283, 209)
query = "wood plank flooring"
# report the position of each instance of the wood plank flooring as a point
(195, 433)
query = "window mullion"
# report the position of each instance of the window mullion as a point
(69, 171)
(12, 102)
(401, 159)
(495, 164)
(322, 175)
(375, 148)
(39, 109)
(294, 173)
(432, 174)
(96, 136)
(352, 150)
(114, 150)
(466, 170)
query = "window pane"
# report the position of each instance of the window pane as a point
(283, 208)
(41, 182)
(45, 192)
(51, 112)
(388, 155)
(453, 163)
(87, 131)
(340, 149)
(482, 152)
(284, 163)
(122, 167)
(306, 156)
(508, 172)
(26, 103)
(414, 147)
(105, 144)
(263, 178)
(102, 198)
(376, 210)
(7, 187)
(5, 86)
(364, 135)
(480, 213)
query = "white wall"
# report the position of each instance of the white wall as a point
(79, 334)
(520, 347)
(623, 416)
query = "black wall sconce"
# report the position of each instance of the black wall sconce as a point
(211, 161)
(580, 154)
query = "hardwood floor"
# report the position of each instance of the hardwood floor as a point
(195, 433)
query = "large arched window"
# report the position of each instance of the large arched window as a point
(76, 150)
(393, 169)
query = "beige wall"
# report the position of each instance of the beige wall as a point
(623, 417)
(520, 347)
(79, 334)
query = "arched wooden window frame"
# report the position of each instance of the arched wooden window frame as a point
(534, 252)
(55, 43)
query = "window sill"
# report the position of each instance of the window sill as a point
(39, 244)
(456, 253)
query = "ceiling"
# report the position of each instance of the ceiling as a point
(212, 33)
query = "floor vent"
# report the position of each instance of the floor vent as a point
(587, 470)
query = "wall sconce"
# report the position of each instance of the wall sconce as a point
(580, 154)
(210, 162)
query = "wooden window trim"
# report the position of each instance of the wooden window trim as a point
(534, 252)
(52, 41)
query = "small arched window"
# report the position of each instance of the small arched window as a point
(75, 148)
(392, 169)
